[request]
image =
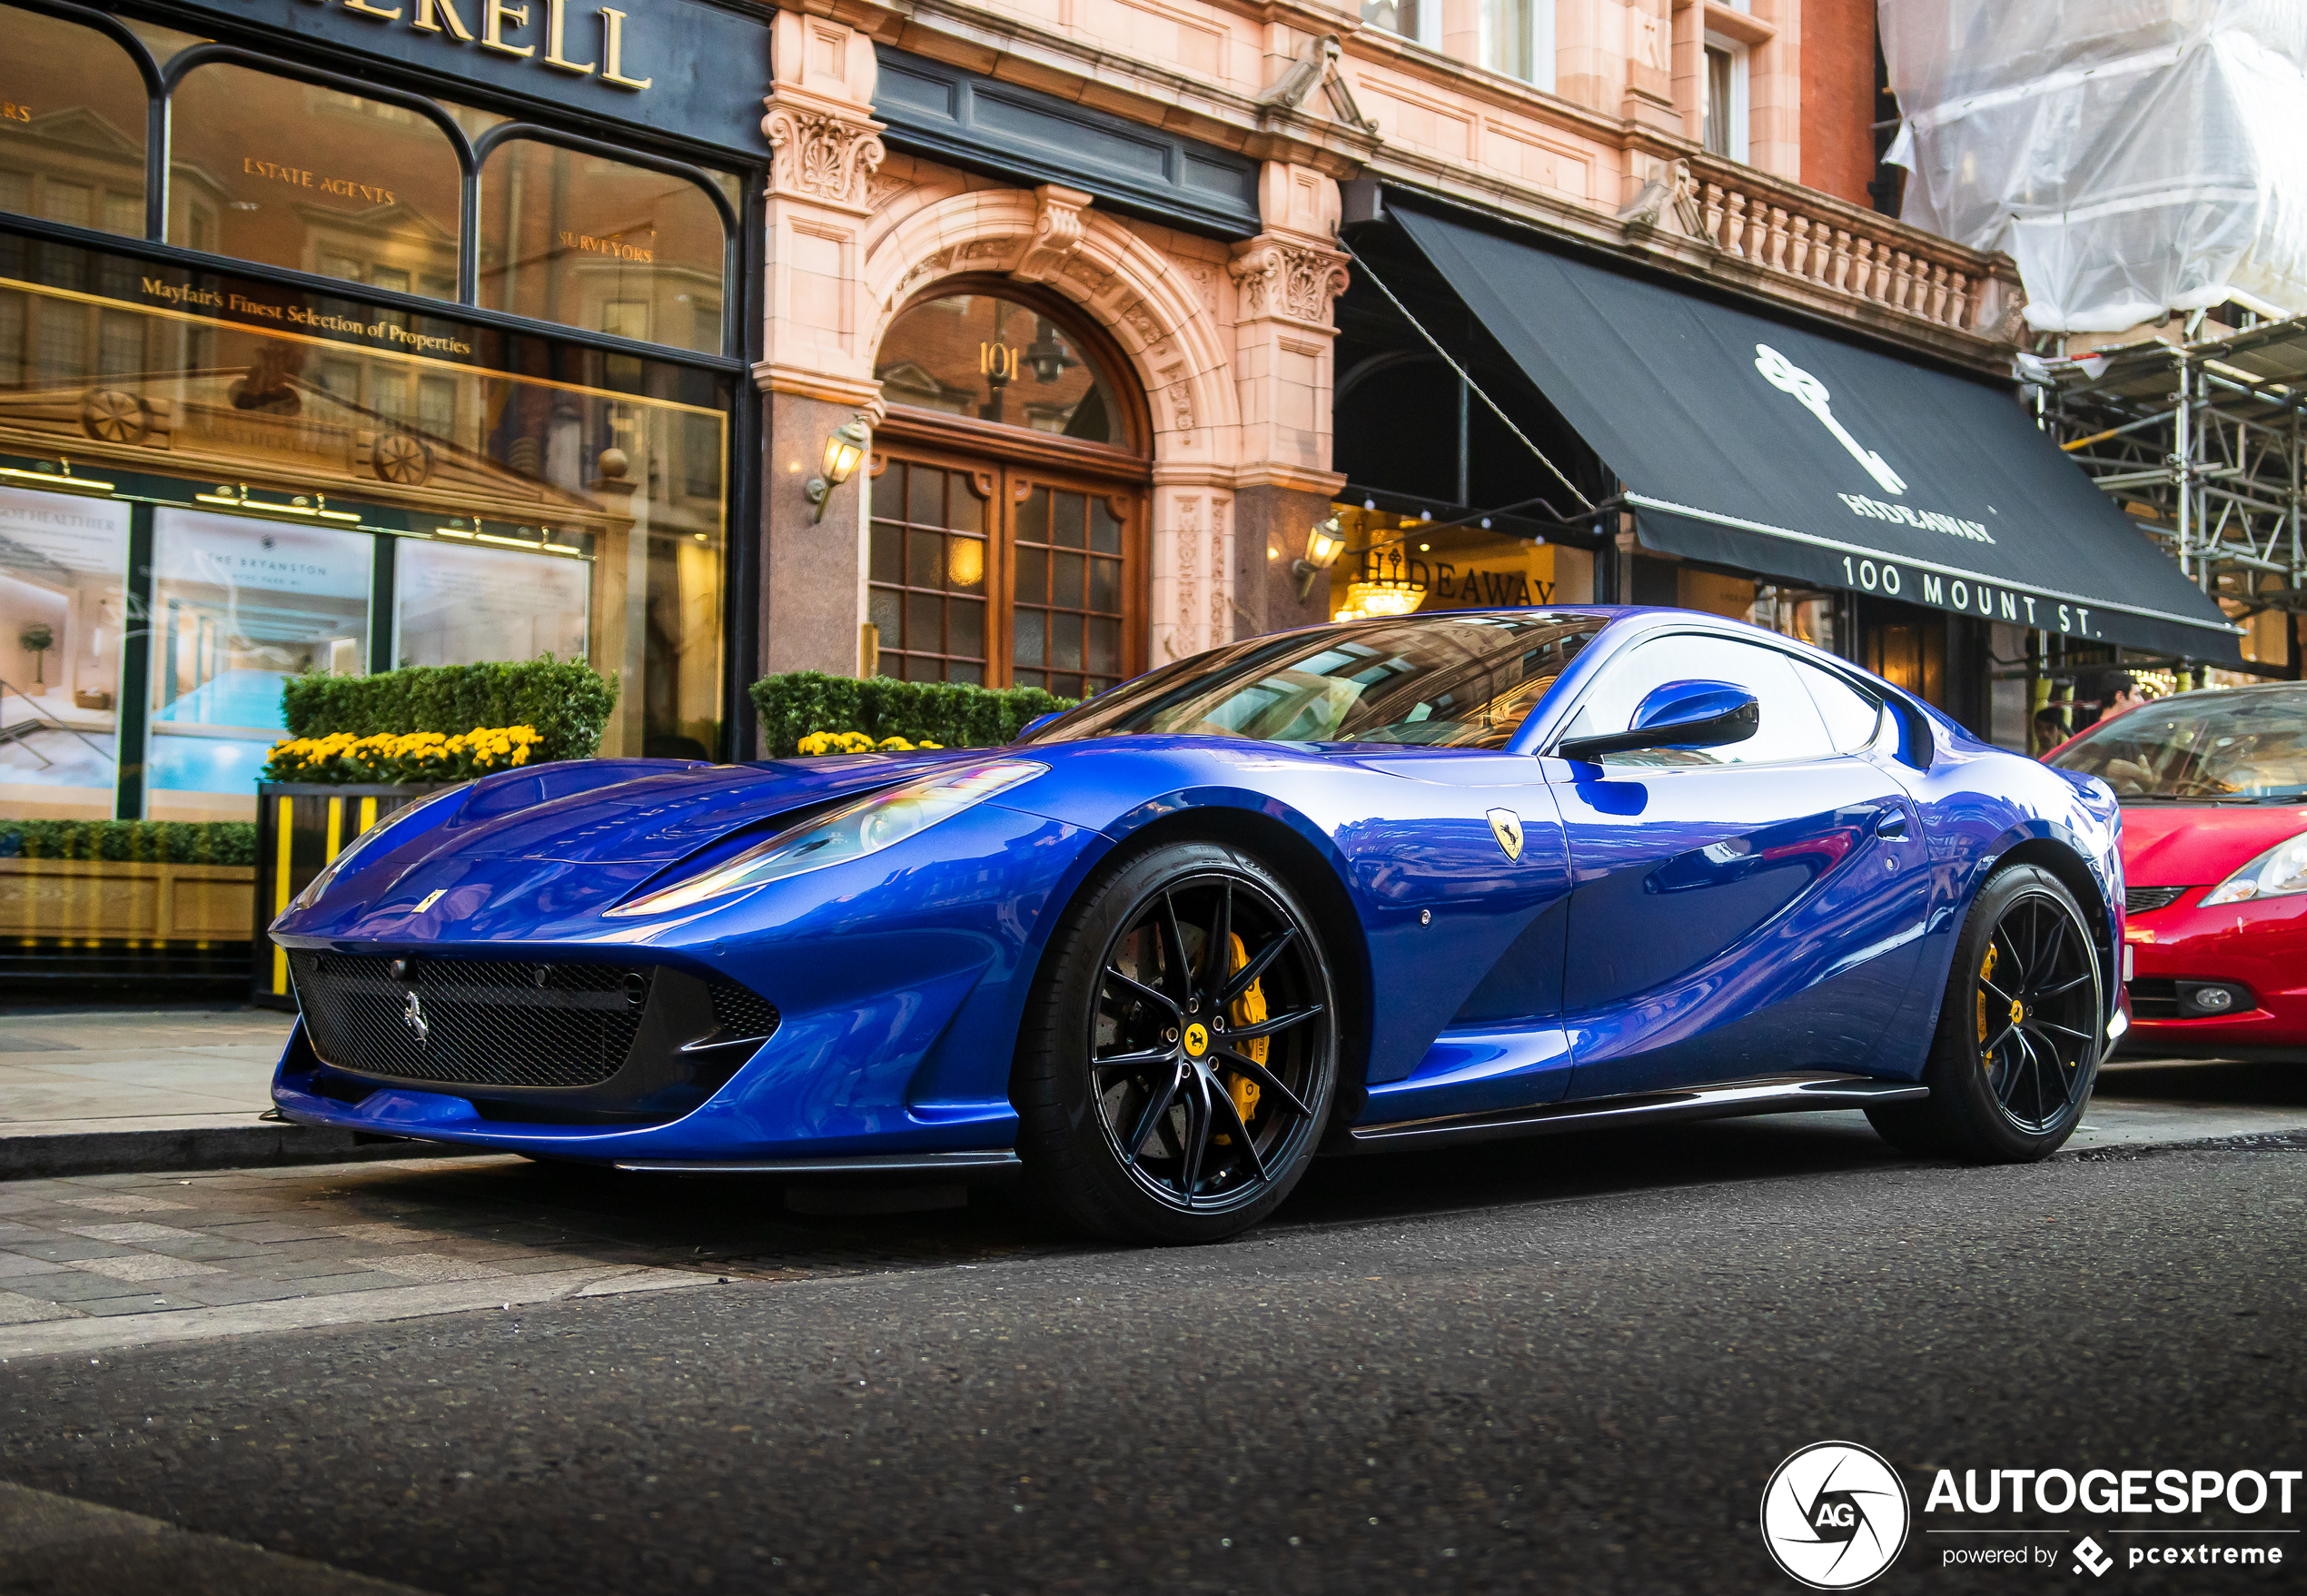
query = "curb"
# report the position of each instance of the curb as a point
(255, 1144)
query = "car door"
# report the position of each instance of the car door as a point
(1743, 910)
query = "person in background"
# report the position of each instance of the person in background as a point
(2115, 691)
(2050, 729)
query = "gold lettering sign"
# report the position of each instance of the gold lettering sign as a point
(998, 360)
(645, 255)
(12, 112)
(501, 21)
(298, 177)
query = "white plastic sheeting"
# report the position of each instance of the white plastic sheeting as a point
(2135, 156)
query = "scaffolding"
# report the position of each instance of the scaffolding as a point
(2198, 438)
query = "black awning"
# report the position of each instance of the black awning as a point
(1750, 442)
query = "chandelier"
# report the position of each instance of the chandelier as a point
(1382, 596)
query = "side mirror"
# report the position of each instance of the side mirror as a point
(1678, 715)
(1034, 724)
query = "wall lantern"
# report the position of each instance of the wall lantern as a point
(844, 447)
(1324, 542)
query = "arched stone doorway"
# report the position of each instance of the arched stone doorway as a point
(1009, 512)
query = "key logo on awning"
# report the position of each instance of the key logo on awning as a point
(1811, 394)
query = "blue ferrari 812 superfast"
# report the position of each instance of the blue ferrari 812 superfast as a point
(1381, 883)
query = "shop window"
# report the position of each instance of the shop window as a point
(71, 125)
(577, 238)
(1396, 565)
(62, 609)
(458, 605)
(289, 174)
(1066, 635)
(927, 577)
(995, 360)
(239, 606)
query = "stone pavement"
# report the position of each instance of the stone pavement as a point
(88, 1091)
(100, 1262)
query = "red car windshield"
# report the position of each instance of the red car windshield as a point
(2246, 746)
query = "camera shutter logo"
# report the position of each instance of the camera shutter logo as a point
(1834, 1516)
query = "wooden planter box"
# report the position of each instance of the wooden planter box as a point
(96, 901)
(300, 825)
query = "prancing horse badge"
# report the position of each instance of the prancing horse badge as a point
(1507, 827)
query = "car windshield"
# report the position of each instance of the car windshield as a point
(1456, 679)
(2201, 747)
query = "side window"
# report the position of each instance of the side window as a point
(1852, 718)
(1790, 726)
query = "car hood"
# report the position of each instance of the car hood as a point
(664, 814)
(2201, 844)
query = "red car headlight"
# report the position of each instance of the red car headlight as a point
(2280, 872)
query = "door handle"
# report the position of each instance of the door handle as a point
(1892, 826)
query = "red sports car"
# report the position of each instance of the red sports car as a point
(2213, 788)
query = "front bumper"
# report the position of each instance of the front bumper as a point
(897, 983)
(2260, 947)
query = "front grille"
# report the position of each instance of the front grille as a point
(741, 1012)
(2154, 998)
(2145, 900)
(484, 1022)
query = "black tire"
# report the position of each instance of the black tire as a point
(2021, 1030)
(1129, 1009)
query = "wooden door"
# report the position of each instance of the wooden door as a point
(1004, 573)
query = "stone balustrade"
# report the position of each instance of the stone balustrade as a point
(1783, 229)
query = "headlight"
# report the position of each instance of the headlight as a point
(864, 827)
(2278, 872)
(367, 839)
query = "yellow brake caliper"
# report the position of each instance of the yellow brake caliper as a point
(1249, 1009)
(1985, 974)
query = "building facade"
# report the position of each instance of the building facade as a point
(343, 334)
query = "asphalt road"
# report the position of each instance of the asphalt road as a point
(1567, 1364)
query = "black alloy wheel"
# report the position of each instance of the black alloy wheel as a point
(2037, 989)
(2021, 1031)
(1177, 1072)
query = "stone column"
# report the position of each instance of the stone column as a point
(1285, 279)
(816, 371)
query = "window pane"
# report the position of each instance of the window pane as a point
(889, 492)
(1105, 586)
(974, 354)
(888, 554)
(239, 606)
(925, 615)
(960, 671)
(1031, 522)
(1105, 527)
(1032, 576)
(460, 606)
(1851, 718)
(1066, 642)
(1026, 637)
(1105, 647)
(965, 510)
(1066, 512)
(883, 609)
(269, 169)
(588, 242)
(1717, 128)
(62, 563)
(924, 560)
(1505, 36)
(1065, 580)
(72, 144)
(965, 564)
(1790, 727)
(925, 498)
(966, 617)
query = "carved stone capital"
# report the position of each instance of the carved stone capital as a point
(821, 155)
(1280, 278)
(1057, 233)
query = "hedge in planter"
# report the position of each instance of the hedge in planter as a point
(567, 702)
(399, 758)
(156, 842)
(951, 714)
